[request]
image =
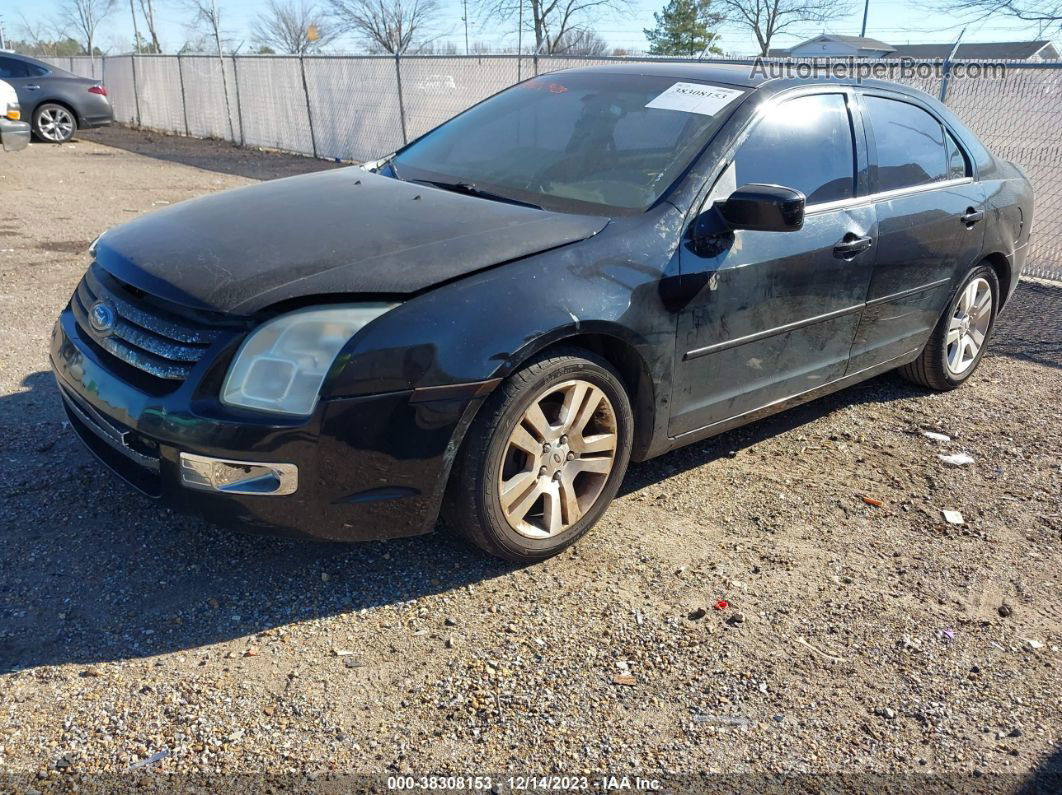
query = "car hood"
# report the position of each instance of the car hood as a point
(342, 231)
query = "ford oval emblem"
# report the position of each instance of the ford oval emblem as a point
(102, 317)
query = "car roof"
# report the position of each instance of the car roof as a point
(28, 59)
(745, 75)
(731, 74)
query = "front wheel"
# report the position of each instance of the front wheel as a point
(544, 458)
(54, 123)
(958, 342)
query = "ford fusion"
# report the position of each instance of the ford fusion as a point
(590, 267)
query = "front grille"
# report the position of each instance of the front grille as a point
(142, 334)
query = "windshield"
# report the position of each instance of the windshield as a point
(574, 142)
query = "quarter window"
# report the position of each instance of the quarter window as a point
(910, 145)
(804, 144)
(957, 165)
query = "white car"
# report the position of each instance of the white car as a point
(14, 133)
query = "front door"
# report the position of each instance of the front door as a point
(777, 313)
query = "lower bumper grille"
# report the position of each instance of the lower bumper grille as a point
(123, 450)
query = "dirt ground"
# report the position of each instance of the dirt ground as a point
(858, 639)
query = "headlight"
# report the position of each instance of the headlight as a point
(280, 367)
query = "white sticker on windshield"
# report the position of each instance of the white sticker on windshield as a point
(694, 98)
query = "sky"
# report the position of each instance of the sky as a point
(896, 22)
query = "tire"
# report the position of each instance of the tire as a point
(941, 365)
(53, 123)
(507, 493)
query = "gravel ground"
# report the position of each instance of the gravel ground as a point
(858, 638)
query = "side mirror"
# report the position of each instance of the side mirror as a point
(764, 208)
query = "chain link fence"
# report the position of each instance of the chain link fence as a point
(363, 107)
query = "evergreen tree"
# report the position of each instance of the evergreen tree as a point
(684, 27)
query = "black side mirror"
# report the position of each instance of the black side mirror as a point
(764, 208)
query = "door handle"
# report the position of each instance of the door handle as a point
(972, 216)
(851, 245)
(32, 88)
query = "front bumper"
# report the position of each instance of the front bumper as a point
(367, 467)
(14, 135)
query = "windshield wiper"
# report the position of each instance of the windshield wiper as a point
(470, 189)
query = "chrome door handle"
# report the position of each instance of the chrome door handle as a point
(851, 245)
(32, 88)
(972, 216)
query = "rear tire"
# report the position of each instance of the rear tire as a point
(55, 124)
(544, 457)
(961, 335)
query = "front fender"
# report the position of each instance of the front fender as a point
(483, 326)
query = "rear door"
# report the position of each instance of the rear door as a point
(930, 225)
(778, 311)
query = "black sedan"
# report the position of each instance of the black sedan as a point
(55, 102)
(590, 267)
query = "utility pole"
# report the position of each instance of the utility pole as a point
(866, 12)
(464, 5)
(3, 38)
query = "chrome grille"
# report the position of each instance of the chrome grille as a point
(141, 336)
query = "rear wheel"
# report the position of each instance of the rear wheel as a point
(544, 458)
(54, 123)
(958, 342)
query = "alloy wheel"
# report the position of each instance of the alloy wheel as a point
(969, 325)
(55, 124)
(558, 459)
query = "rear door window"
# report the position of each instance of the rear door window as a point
(805, 144)
(911, 150)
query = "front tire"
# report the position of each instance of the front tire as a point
(961, 335)
(544, 457)
(54, 123)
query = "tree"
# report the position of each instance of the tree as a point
(147, 7)
(581, 41)
(293, 27)
(390, 25)
(552, 21)
(84, 17)
(207, 14)
(767, 18)
(684, 27)
(1045, 13)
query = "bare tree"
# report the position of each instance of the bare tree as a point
(390, 25)
(767, 18)
(83, 17)
(147, 7)
(581, 41)
(293, 27)
(552, 21)
(1045, 13)
(207, 13)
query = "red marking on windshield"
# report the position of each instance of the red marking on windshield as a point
(557, 88)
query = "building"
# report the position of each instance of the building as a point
(828, 45)
(992, 50)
